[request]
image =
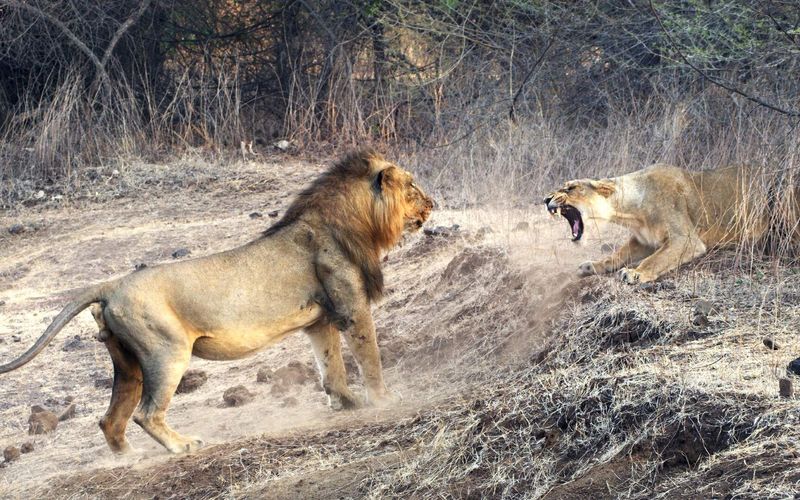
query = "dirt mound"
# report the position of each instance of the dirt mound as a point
(237, 396)
(191, 381)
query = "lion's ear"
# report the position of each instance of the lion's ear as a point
(604, 187)
(385, 178)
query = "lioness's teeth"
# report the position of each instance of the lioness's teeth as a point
(558, 211)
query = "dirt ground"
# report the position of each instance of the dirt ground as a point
(476, 297)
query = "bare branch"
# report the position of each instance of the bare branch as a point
(511, 113)
(716, 81)
(115, 39)
(99, 66)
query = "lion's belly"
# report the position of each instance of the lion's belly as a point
(242, 340)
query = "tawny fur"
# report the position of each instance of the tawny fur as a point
(674, 215)
(317, 269)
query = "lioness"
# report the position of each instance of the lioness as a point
(674, 215)
(317, 269)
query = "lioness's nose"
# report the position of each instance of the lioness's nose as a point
(547, 200)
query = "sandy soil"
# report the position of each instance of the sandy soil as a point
(429, 322)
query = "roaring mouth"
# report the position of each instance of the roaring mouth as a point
(573, 216)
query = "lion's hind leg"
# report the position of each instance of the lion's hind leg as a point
(162, 372)
(163, 349)
(327, 346)
(126, 391)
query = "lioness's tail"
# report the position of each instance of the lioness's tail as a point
(87, 297)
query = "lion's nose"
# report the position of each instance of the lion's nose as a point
(547, 200)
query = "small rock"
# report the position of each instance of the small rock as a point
(11, 453)
(704, 307)
(26, 447)
(39, 195)
(283, 145)
(191, 381)
(522, 226)
(770, 344)
(294, 373)
(69, 399)
(273, 214)
(256, 215)
(16, 229)
(794, 367)
(700, 320)
(237, 396)
(16, 338)
(785, 388)
(441, 231)
(264, 375)
(289, 402)
(73, 344)
(2, 303)
(42, 422)
(104, 383)
(139, 266)
(68, 413)
(181, 252)
(278, 389)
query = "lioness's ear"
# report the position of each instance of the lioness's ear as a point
(604, 187)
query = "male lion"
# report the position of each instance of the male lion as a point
(674, 215)
(317, 269)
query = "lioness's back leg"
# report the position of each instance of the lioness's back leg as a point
(327, 346)
(125, 394)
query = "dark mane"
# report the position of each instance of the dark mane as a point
(354, 166)
(324, 195)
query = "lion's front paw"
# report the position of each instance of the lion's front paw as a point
(587, 269)
(384, 399)
(344, 401)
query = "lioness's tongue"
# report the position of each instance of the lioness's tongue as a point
(576, 227)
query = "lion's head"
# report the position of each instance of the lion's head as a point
(581, 198)
(366, 202)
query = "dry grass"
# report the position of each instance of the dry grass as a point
(624, 397)
(519, 380)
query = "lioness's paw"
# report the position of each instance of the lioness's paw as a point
(629, 276)
(586, 269)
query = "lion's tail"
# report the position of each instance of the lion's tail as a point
(87, 297)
